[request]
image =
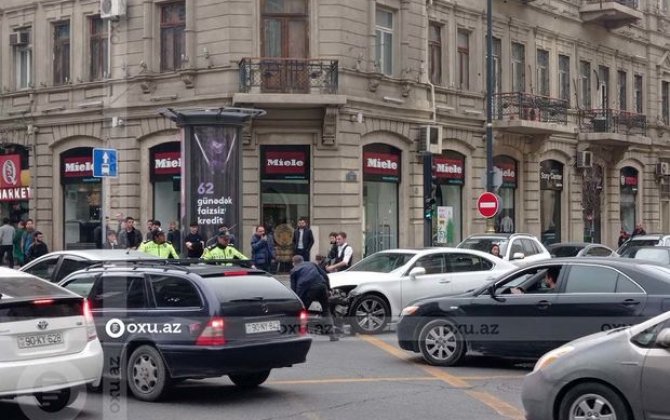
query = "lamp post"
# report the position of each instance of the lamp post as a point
(490, 222)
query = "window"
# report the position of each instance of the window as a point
(384, 262)
(461, 263)
(604, 86)
(517, 247)
(543, 72)
(384, 41)
(528, 247)
(599, 251)
(97, 49)
(119, 292)
(564, 78)
(173, 23)
(285, 25)
(585, 84)
(81, 285)
(174, 292)
(586, 279)
(626, 285)
(23, 59)
(69, 266)
(518, 67)
(463, 59)
(638, 93)
(621, 84)
(61, 55)
(665, 102)
(497, 65)
(434, 264)
(44, 269)
(435, 53)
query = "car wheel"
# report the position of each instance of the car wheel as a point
(370, 314)
(441, 344)
(250, 380)
(55, 401)
(592, 401)
(148, 378)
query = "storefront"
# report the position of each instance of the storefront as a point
(629, 178)
(166, 181)
(449, 173)
(505, 221)
(551, 191)
(381, 178)
(15, 189)
(82, 198)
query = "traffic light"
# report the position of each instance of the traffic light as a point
(428, 207)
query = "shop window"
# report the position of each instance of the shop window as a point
(628, 197)
(551, 189)
(449, 173)
(15, 191)
(166, 180)
(505, 221)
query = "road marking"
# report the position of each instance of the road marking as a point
(498, 405)
(492, 377)
(352, 380)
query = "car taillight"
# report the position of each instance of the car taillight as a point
(43, 302)
(90, 322)
(212, 334)
(235, 273)
(303, 322)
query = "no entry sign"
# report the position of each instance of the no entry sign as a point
(488, 205)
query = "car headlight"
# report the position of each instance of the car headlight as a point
(410, 310)
(551, 357)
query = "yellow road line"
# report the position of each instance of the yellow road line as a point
(352, 380)
(498, 405)
(488, 378)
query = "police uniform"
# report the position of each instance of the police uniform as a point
(217, 252)
(164, 250)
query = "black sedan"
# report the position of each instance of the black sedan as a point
(536, 308)
(580, 249)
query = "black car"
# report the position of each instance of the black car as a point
(519, 317)
(580, 249)
(161, 323)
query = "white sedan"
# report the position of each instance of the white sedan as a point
(373, 292)
(48, 343)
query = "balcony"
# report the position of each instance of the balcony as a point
(611, 127)
(611, 14)
(527, 114)
(288, 81)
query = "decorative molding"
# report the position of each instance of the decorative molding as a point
(373, 81)
(330, 126)
(246, 134)
(401, 128)
(188, 77)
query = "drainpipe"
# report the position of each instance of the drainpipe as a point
(433, 103)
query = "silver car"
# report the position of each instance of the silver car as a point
(617, 374)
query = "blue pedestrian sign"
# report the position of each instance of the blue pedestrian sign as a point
(105, 163)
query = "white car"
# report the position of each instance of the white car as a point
(48, 344)
(373, 292)
(519, 248)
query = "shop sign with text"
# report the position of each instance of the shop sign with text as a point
(285, 162)
(381, 165)
(449, 168)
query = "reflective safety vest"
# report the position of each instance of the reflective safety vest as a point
(164, 250)
(216, 252)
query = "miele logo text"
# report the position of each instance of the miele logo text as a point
(285, 162)
(448, 168)
(381, 164)
(71, 167)
(166, 163)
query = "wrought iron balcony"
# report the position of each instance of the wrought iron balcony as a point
(288, 75)
(611, 14)
(612, 121)
(526, 113)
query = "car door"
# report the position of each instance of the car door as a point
(45, 268)
(655, 386)
(515, 247)
(467, 271)
(436, 281)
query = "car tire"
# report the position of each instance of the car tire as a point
(585, 395)
(54, 401)
(370, 314)
(147, 376)
(441, 344)
(249, 380)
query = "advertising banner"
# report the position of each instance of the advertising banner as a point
(445, 224)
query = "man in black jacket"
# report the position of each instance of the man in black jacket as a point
(37, 248)
(310, 282)
(303, 240)
(130, 238)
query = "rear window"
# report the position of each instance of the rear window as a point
(485, 244)
(29, 288)
(233, 288)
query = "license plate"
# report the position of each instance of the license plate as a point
(262, 327)
(40, 340)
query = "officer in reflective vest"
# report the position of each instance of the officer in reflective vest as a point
(159, 247)
(221, 250)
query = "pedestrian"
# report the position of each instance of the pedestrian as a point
(639, 230)
(345, 254)
(19, 255)
(303, 239)
(495, 250)
(623, 236)
(130, 237)
(28, 236)
(222, 250)
(332, 253)
(111, 242)
(310, 283)
(120, 223)
(225, 229)
(150, 228)
(174, 236)
(262, 249)
(37, 248)
(195, 244)
(7, 242)
(158, 246)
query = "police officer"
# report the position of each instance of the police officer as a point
(222, 250)
(159, 247)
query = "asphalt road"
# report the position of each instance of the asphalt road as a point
(357, 377)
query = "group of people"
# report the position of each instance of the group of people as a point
(20, 243)
(624, 235)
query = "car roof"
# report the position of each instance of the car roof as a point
(609, 261)
(573, 244)
(103, 254)
(202, 269)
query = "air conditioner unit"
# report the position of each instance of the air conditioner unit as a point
(584, 159)
(663, 169)
(18, 39)
(430, 139)
(112, 9)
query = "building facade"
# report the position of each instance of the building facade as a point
(354, 90)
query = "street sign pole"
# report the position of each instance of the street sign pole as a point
(105, 165)
(490, 223)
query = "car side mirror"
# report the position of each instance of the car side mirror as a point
(417, 271)
(518, 256)
(663, 338)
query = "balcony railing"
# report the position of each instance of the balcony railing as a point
(288, 75)
(612, 121)
(633, 4)
(528, 107)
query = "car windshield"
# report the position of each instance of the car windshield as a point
(485, 244)
(383, 262)
(659, 255)
(635, 243)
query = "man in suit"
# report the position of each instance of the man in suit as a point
(303, 240)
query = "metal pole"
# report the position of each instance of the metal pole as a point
(427, 158)
(103, 211)
(490, 224)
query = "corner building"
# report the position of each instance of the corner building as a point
(354, 90)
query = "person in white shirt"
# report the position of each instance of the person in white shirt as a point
(345, 254)
(7, 242)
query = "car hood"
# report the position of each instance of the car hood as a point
(356, 278)
(599, 337)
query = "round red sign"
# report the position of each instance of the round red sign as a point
(488, 205)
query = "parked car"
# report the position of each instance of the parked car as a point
(374, 291)
(514, 247)
(580, 249)
(48, 342)
(519, 317)
(175, 322)
(653, 239)
(659, 254)
(617, 374)
(55, 266)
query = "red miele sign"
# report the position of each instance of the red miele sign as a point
(381, 163)
(10, 167)
(446, 167)
(285, 162)
(167, 163)
(78, 167)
